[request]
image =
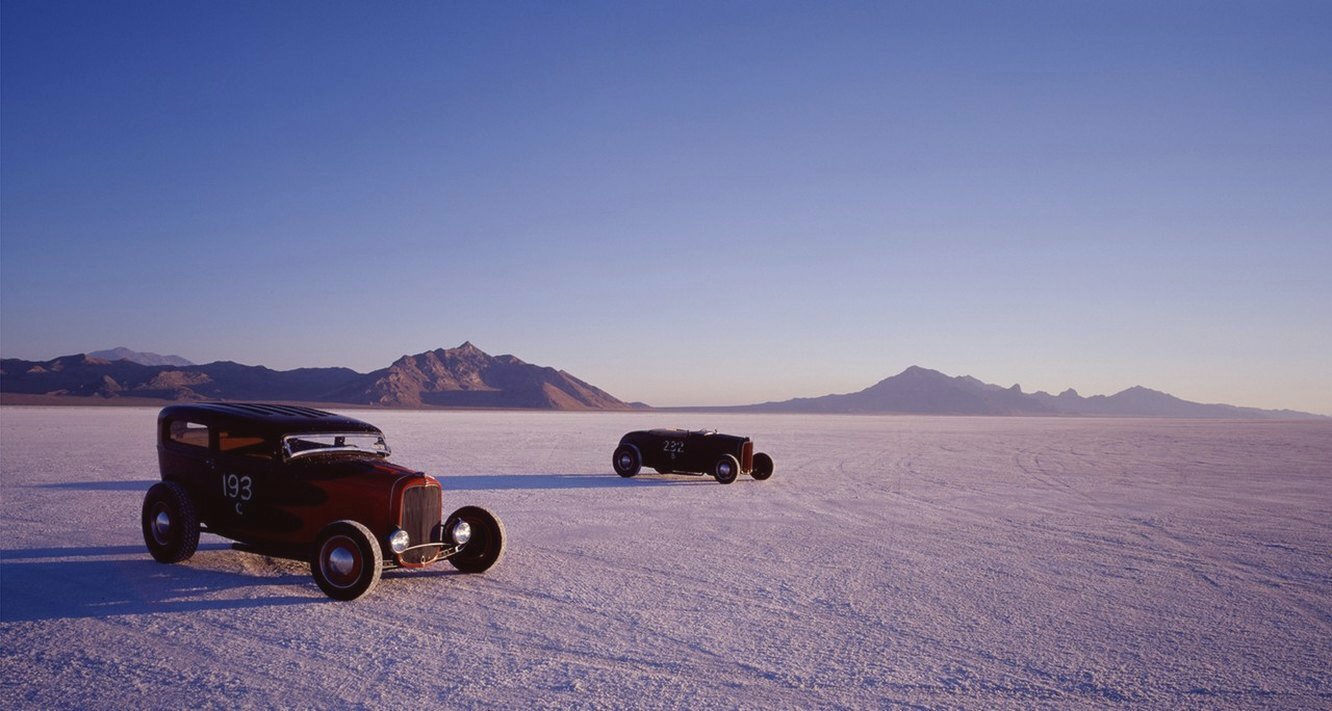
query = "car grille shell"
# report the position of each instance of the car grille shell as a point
(421, 510)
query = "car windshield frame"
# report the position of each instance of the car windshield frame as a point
(323, 443)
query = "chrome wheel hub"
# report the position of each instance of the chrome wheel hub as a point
(341, 561)
(162, 527)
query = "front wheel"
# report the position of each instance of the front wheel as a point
(347, 561)
(762, 466)
(726, 469)
(626, 461)
(170, 522)
(484, 544)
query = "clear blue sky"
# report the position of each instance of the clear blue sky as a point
(683, 203)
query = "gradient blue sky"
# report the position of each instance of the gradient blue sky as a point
(683, 203)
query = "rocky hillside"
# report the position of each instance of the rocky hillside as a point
(466, 376)
(85, 376)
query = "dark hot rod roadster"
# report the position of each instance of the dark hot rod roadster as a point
(301, 483)
(724, 457)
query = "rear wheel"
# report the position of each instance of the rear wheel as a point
(762, 466)
(347, 561)
(626, 461)
(485, 544)
(170, 523)
(725, 469)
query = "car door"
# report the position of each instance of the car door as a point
(186, 457)
(698, 452)
(248, 482)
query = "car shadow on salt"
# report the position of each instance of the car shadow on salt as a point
(39, 584)
(74, 553)
(137, 485)
(492, 482)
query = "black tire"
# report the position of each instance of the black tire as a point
(346, 562)
(170, 523)
(762, 466)
(725, 469)
(626, 460)
(486, 546)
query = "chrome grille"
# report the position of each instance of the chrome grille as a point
(421, 510)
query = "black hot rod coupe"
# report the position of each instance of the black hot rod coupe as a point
(300, 483)
(724, 457)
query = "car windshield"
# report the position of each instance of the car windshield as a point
(305, 445)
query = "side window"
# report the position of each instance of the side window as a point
(245, 444)
(188, 433)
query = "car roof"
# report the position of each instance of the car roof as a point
(272, 418)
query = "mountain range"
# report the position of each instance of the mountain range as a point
(918, 390)
(467, 377)
(464, 376)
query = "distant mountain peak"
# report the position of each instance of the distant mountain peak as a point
(141, 357)
(468, 352)
(913, 374)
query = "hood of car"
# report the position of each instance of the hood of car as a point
(369, 470)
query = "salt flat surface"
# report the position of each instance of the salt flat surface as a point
(912, 561)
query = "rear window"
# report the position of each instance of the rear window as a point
(191, 434)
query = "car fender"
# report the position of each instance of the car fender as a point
(634, 447)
